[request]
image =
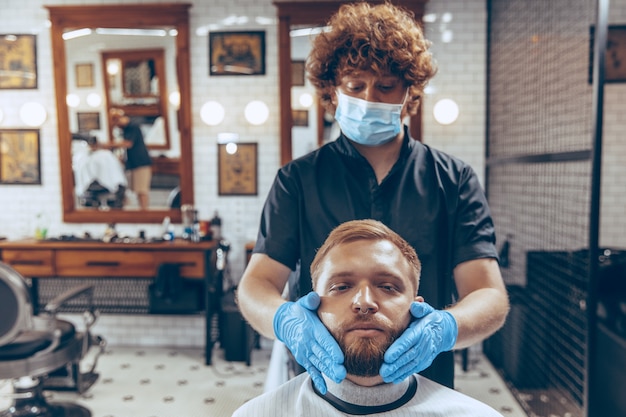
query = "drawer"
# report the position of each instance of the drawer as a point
(30, 263)
(122, 263)
(106, 263)
(192, 263)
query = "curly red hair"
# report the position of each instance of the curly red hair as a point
(384, 38)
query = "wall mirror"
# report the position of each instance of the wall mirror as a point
(149, 44)
(298, 15)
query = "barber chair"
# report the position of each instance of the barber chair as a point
(97, 195)
(173, 199)
(33, 349)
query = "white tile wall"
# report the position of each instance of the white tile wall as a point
(461, 76)
(146, 330)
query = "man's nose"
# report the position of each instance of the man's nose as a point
(364, 301)
(369, 93)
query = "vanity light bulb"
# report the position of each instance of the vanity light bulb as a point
(72, 100)
(174, 98)
(446, 111)
(1, 115)
(306, 100)
(94, 100)
(231, 148)
(33, 114)
(212, 113)
(256, 112)
(113, 67)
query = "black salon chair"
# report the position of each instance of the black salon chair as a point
(35, 350)
(99, 196)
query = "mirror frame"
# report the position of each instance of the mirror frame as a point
(146, 15)
(317, 12)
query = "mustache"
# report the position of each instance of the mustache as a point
(369, 319)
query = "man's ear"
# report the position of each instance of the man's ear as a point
(419, 299)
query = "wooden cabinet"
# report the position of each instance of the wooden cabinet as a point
(38, 263)
(87, 259)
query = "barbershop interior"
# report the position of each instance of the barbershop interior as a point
(145, 298)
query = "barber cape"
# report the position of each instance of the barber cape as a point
(100, 165)
(416, 396)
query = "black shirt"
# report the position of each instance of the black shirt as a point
(137, 155)
(433, 200)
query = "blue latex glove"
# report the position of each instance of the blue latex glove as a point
(300, 329)
(433, 332)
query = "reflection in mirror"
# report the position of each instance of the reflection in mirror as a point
(136, 65)
(305, 135)
(136, 81)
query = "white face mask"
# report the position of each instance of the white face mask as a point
(368, 123)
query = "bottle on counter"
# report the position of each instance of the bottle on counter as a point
(168, 229)
(216, 226)
(41, 226)
(110, 234)
(195, 228)
(187, 211)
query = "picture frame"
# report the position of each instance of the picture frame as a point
(20, 156)
(88, 121)
(300, 118)
(237, 53)
(84, 75)
(615, 58)
(18, 68)
(237, 169)
(297, 73)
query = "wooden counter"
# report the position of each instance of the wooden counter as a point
(64, 259)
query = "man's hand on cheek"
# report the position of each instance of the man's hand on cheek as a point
(430, 333)
(300, 329)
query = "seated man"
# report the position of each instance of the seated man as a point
(97, 171)
(367, 277)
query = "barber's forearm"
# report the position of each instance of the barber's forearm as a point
(260, 292)
(258, 306)
(479, 315)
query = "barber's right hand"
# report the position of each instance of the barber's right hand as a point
(297, 325)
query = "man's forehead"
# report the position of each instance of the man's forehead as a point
(348, 259)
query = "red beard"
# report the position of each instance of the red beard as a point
(364, 356)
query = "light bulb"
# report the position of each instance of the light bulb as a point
(212, 113)
(257, 112)
(446, 111)
(33, 114)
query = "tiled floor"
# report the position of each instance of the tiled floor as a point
(162, 382)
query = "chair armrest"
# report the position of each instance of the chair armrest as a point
(53, 305)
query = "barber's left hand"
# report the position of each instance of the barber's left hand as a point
(432, 332)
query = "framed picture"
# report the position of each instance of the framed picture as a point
(237, 168)
(237, 53)
(615, 58)
(300, 117)
(297, 73)
(88, 121)
(84, 75)
(20, 156)
(18, 66)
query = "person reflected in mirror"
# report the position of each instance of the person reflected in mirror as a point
(366, 280)
(369, 70)
(138, 161)
(98, 174)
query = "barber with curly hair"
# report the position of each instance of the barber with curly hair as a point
(370, 70)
